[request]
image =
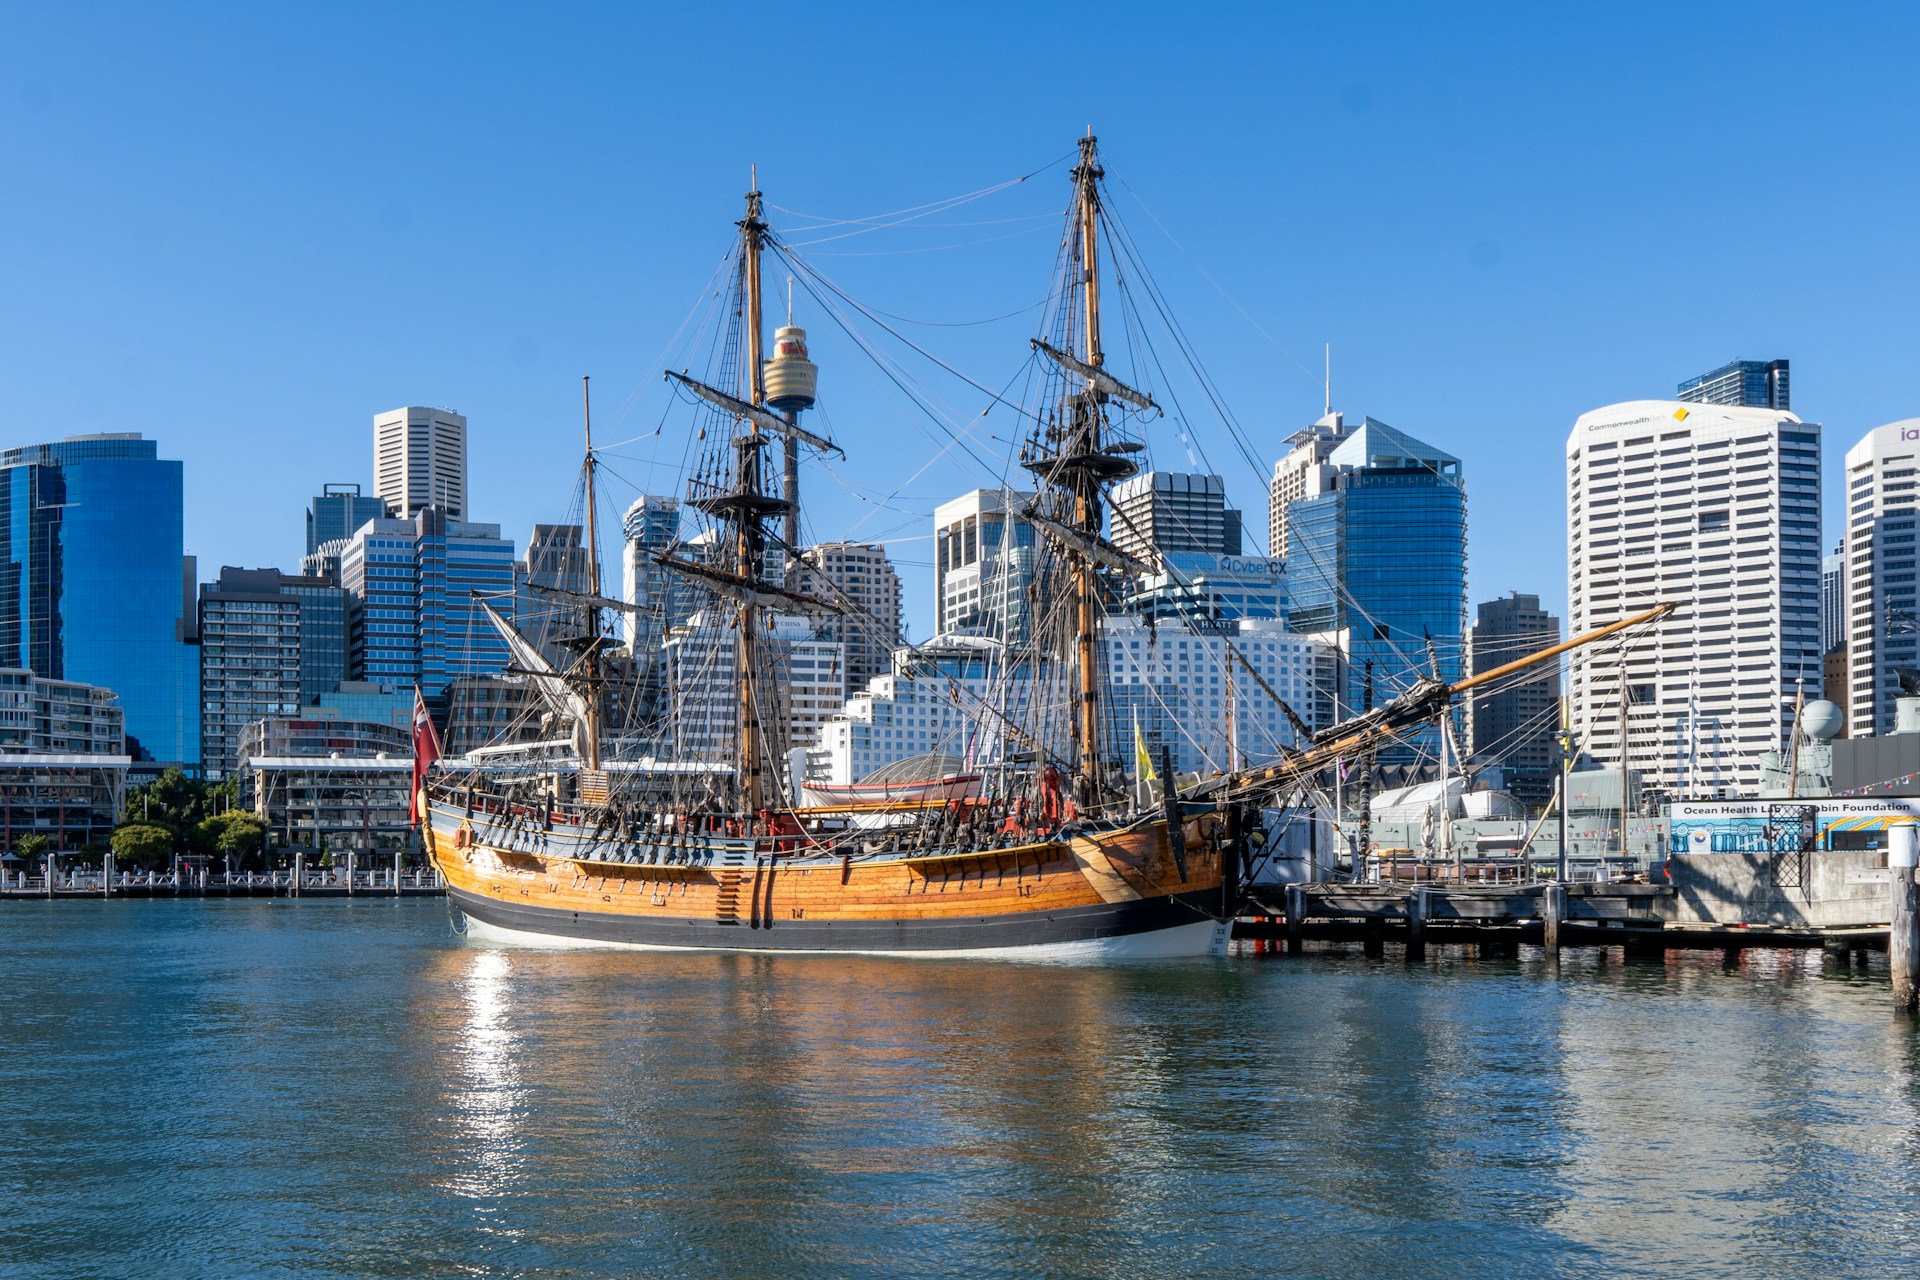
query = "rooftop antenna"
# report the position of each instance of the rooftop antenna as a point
(789, 301)
(1328, 411)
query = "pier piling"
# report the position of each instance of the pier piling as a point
(1417, 906)
(1903, 937)
(1553, 910)
(1296, 918)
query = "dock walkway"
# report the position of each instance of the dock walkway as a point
(377, 883)
(1641, 917)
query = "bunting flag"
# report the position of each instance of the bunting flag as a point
(426, 750)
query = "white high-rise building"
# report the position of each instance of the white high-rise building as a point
(1716, 508)
(1303, 473)
(808, 684)
(1882, 620)
(420, 460)
(859, 578)
(1175, 685)
(662, 599)
(983, 564)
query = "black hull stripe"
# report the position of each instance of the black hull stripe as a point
(1039, 928)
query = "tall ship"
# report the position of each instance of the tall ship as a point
(1056, 850)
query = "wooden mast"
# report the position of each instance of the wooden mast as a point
(749, 537)
(591, 656)
(1086, 508)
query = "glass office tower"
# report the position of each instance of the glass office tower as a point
(1378, 550)
(413, 588)
(337, 511)
(94, 585)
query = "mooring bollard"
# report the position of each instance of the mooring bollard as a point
(1903, 934)
(1417, 907)
(1296, 918)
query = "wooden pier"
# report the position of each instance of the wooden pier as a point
(1644, 918)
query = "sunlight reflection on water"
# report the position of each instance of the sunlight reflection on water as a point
(345, 1089)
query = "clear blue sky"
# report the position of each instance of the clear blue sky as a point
(244, 229)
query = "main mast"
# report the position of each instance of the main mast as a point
(749, 534)
(1086, 496)
(1075, 464)
(765, 403)
(590, 659)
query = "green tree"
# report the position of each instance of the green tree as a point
(32, 847)
(236, 834)
(144, 844)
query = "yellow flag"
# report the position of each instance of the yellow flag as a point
(1142, 758)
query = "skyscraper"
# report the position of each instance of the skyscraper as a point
(337, 511)
(807, 685)
(94, 586)
(650, 527)
(269, 641)
(1302, 468)
(415, 587)
(1751, 384)
(1514, 725)
(1163, 511)
(859, 577)
(1717, 508)
(1181, 525)
(557, 560)
(984, 559)
(1376, 552)
(1833, 598)
(1882, 623)
(420, 460)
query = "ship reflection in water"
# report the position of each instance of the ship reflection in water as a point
(346, 1089)
(734, 1114)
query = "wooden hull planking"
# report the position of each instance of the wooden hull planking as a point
(1085, 891)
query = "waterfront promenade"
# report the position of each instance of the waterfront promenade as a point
(331, 883)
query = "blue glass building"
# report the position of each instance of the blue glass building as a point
(94, 584)
(1378, 549)
(337, 511)
(414, 587)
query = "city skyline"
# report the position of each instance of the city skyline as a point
(246, 287)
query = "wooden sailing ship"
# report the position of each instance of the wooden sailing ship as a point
(1053, 856)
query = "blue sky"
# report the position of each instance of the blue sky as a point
(243, 230)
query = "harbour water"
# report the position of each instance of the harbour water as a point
(344, 1088)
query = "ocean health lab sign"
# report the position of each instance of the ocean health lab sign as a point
(1768, 826)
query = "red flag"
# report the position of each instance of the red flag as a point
(426, 749)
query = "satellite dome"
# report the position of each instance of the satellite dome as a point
(1821, 720)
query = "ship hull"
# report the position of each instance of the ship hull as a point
(1150, 928)
(1116, 891)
